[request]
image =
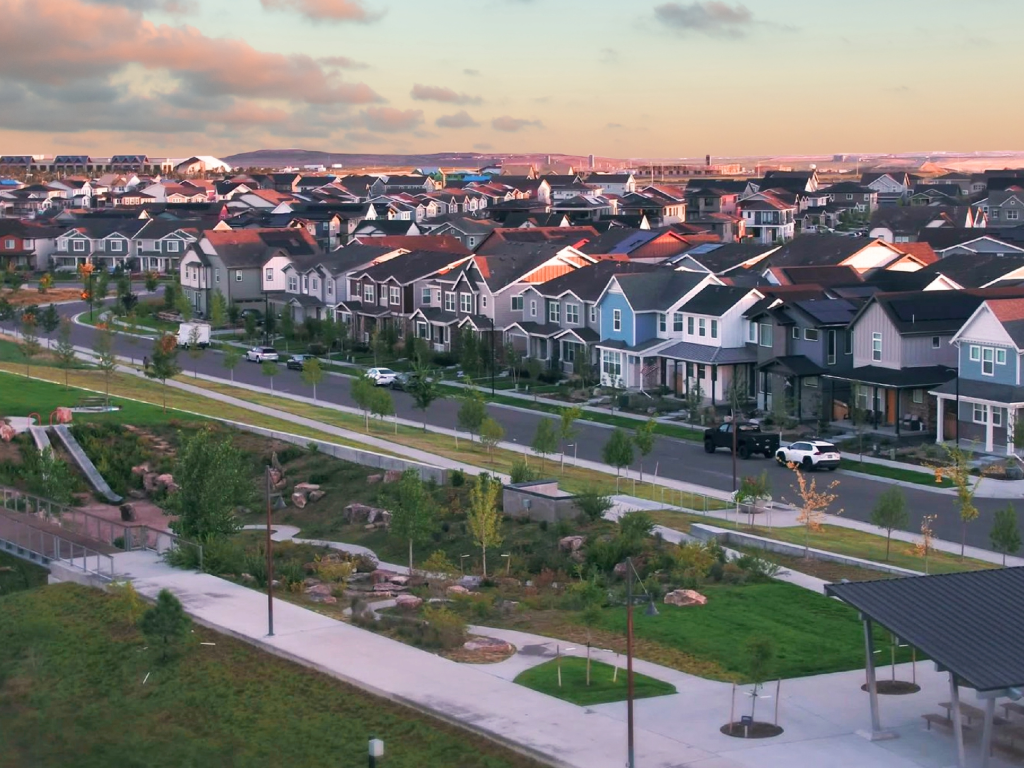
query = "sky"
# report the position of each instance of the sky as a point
(633, 79)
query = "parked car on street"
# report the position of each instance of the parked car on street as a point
(296, 362)
(810, 454)
(402, 381)
(262, 354)
(382, 377)
(198, 333)
(750, 440)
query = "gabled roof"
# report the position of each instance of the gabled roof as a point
(716, 300)
(513, 262)
(438, 243)
(587, 283)
(923, 252)
(240, 248)
(925, 312)
(719, 258)
(975, 270)
(354, 256)
(814, 250)
(826, 277)
(1010, 313)
(575, 236)
(413, 266)
(654, 291)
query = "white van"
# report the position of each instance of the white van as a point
(194, 333)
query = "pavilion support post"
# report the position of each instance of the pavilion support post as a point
(876, 733)
(958, 723)
(986, 737)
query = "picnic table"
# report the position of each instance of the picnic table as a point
(971, 713)
(1012, 706)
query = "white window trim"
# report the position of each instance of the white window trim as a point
(1000, 357)
(876, 336)
(533, 307)
(269, 274)
(572, 314)
(974, 353)
(449, 301)
(811, 334)
(395, 295)
(990, 353)
(238, 276)
(616, 319)
(983, 410)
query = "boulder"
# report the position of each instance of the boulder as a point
(408, 602)
(374, 479)
(166, 481)
(399, 579)
(387, 588)
(127, 513)
(315, 496)
(366, 562)
(620, 570)
(469, 582)
(392, 476)
(379, 516)
(318, 591)
(149, 482)
(456, 589)
(248, 578)
(571, 543)
(63, 415)
(6, 432)
(685, 597)
(306, 488)
(492, 644)
(275, 463)
(137, 493)
(142, 469)
(299, 499)
(277, 479)
(356, 513)
(381, 576)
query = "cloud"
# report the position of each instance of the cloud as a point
(390, 120)
(168, 6)
(510, 124)
(341, 62)
(471, 72)
(483, 146)
(458, 120)
(615, 126)
(440, 93)
(609, 56)
(324, 10)
(712, 17)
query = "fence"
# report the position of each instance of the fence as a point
(86, 525)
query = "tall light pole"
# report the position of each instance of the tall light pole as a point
(270, 566)
(492, 355)
(651, 611)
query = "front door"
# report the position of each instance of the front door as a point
(890, 406)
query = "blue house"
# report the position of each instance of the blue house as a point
(989, 389)
(633, 309)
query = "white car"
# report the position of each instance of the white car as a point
(261, 354)
(382, 377)
(810, 454)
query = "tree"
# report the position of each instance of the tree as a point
(164, 363)
(171, 292)
(425, 390)
(814, 504)
(45, 283)
(382, 405)
(165, 625)
(469, 351)
(270, 369)
(183, 305)
(760, 656)
(593, 504)
(312, 374)
(958, 471)
(49, 320)
(233, 313)
(230, 360)
(491, 433)
(106, 360)
(1005, 535)
(890, 513)
(100, 286)
(151, 280)
(473, 411)
(66, 356)
(545, 439)
(618, 451)
(125, 298)
(213, 481)
(483, 518)
(49, 476)
(567, 428)
(412, 511)
(6, 309)
(924, 547)
(643, 439)
(287, 326)
(250, 326)
(195, 350)
(29, 340)
(753, 489)
(363, 390)
(218, 309)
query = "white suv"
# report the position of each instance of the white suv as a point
(382, 377)
(809, 454)
(261, 354)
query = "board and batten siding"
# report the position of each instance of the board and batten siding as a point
(874, 320)
(918, 351)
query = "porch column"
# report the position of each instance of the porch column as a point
(714, 383)
(869, 667)
(899, 396)
(958, 723)
(989, 428)
(940, 421)
(874, 404)
(1011, 421)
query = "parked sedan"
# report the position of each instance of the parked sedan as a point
(262, 354)
(382, 377)
(810, 455)
(401, 382)
(296, 362)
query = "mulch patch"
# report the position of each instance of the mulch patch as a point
(756, 730)
(894, 687)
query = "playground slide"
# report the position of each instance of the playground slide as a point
(40, 437)
(85, 464)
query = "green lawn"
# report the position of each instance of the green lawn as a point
(72, 692)
(17, 574)
(602, 690)
(919, 477)
(11, 353)
(812, 634)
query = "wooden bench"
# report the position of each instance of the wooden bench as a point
(1012, 706)
(971, 713)
(92, 402)
(945, 722)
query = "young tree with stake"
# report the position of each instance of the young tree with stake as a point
(491, 433)
(312, 373)
(643, 439)
(890, 514)
(164, 363)
(814, 504)
(66, 357)
(484, 519)
(545, 439)
(472, 412)
(1005, 535)
(363, 391)
(230, 359)
(30, 346)
(382, 405)
(618, 451)
(166, 625)
(195, 350)
(270, 369)
(49, 320)
(412, 511)
(567, 428)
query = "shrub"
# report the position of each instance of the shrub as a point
(221, 555)
(593, 504)
(716, 571)
(289, 453)
(444, 359)
(733, 574)
(543, 525)
(446, 629)
(635, 526)
(522, 472)
(758, 568)
(563, 528)
(695, 558)
(319, 478)
(458, 478)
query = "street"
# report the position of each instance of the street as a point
(672, 458)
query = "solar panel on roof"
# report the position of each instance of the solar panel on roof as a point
(923, 307)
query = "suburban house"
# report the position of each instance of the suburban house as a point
(989, 388)
(102, 242)
(1004, 208)
(906, 224)
(633, 310)
(723, 258)
(893, 187)
(613, 183)
(849, 194)
(25, 245)
(819, 250)
(768, 217)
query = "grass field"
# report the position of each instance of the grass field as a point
(72, 693)
(922, 477)
(602, 690)
(834, 538)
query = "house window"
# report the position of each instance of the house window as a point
(9, 245)
(702, 327)
(616, 319)
(689, 326)
(997, 417)
(483, 302)
(554, 312)
(918, 396)
(677, 322)
(752, 332)
(988, 361)
(172, 246)
(396, 295)
(216, 275)
(533, 307)
(611, 363)
(421, 330)
(1000, 357)
(975, 353)
(62, 245)
(811, 334)
(662, 322)
(714, 329)
(79, 245)
(293, 285)
(314, 284)
(980, 413)
(1012, 215)
(269, 274)
(368, 293)
(593, 313)
(425, 296)
(572, 314)
(466, 302)
(517, 303)
(115, 245)
(437, 298)
(796, 333)
(831, 347)
(876, 346)
(330, 287)
(766, 334)
(305, 283)
(449, 301)
(238, 276)
(936, 342)
(811, 382)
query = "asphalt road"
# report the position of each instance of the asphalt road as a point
(678, 459)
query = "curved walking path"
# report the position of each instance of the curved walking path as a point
(290, 533)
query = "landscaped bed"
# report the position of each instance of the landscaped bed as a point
(78, 687)
(606, 684)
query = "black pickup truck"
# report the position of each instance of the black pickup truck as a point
(749, 440)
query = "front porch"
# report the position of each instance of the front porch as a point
(893, 398)
(981, 414)
(791, 385)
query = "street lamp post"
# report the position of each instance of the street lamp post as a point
(270, 566)
(492, 355)
(650, 611)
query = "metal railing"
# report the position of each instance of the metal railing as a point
(30, 543)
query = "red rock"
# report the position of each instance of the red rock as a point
(685, 597)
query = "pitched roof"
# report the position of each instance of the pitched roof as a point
(923, 252)
(575, 236)
(814, 250)
(353, 256)
(826, 276)
(652, 291)
(974, 270)
(513, 261)
(589, 282)
(927, 312)
(715, 300)
(413, 266)
(1010, 312)
(722, 257)
(438, 243)
(240, 248)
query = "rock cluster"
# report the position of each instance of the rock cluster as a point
(685, 598)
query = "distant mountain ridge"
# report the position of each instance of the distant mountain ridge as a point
(281, 158)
